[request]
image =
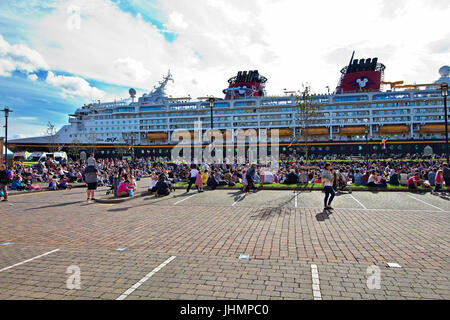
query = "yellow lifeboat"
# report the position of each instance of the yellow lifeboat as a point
(321, 131)
(433, 128)
(353, 131)
(400, 129)
(157, 136)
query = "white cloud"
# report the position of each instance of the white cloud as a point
(74, 86)
(133, 69)
(19, 57)
(176, 21)
(32, 77)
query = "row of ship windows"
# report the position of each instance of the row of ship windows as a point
(282, 116)
(318, 99)
(261, 111)
(268, 123)
(266, 110)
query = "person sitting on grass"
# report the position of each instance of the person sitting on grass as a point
(403, 178)
(28, 183)
(414, 181)
(162, 188)
(393, 179)
(291, 177)
(153, 182)
(52, 185)
(124, 189)
(63, 183)
(211, 183)
(358, 177)
(376, 181)
(16, 184)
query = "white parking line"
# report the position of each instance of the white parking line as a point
(37, 257)
(185, 199)
(364, 207)
(148, 276)
(296, 196)
(315, 283)
(424, 202)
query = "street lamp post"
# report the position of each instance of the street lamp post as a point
(444, 90)
(211, 105)
(6, 111)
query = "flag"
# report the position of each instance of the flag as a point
(292, 142)
(59, 148)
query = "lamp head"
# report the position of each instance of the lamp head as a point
(444, 89)
(7, 111)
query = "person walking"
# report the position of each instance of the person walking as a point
(327, 182)
(91, 177)
(249, 176)
(192, 177)
(446, 175)
(4, 181)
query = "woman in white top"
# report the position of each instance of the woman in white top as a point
(327, 182)
(403, 178)
(153, 181)
(192, 176)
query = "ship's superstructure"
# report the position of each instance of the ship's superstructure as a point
(353, 119)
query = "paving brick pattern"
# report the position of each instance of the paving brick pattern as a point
(282, 243)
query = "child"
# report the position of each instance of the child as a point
(17, 184)
(124, 189)
(28, 183)
(199, 182)
(52, 184)
(63, 183)
(439, 181)
(153, 181)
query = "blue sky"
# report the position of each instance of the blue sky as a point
(57, 55)
(34, 103)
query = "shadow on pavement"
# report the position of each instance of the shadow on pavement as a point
(237, 195)
(322, 216)
(57, 205)
(265, 213)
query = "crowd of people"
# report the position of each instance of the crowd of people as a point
(121, 175)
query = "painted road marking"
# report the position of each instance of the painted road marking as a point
(242, 197)
(148, 276)
(37, 257)
(184, 199)
(296, 196)
(364, 207)
(315, 282)
(424, 202)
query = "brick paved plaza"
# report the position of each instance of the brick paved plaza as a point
(285, 234)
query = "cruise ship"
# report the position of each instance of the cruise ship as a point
(364, 115)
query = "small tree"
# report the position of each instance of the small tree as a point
(74, 148)
(50, 133)
(305, 111)
(92, 140)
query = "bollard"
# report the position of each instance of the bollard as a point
(115, 184)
